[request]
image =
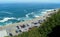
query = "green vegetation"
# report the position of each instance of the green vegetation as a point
(45, 28)
(32, 33)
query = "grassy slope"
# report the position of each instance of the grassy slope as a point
(44, 29)
(32, 33)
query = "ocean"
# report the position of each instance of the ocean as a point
(18, 12)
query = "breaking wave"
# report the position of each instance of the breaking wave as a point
(38, 13)
(28, 16)
(6, 19)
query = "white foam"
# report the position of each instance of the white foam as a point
(19, 19)
(27, 15)
(32, 13)
(6, 12)
(43, 12)
(6, 19)
(49, 10)
(36, 16)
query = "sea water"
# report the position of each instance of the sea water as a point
(17, 12)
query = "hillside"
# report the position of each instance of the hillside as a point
(45, 29)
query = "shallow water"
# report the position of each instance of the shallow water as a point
(11, 13)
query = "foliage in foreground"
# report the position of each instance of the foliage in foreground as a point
(45, 28)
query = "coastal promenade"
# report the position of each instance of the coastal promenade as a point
(17, 28)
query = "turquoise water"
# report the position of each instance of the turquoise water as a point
(17, 12)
